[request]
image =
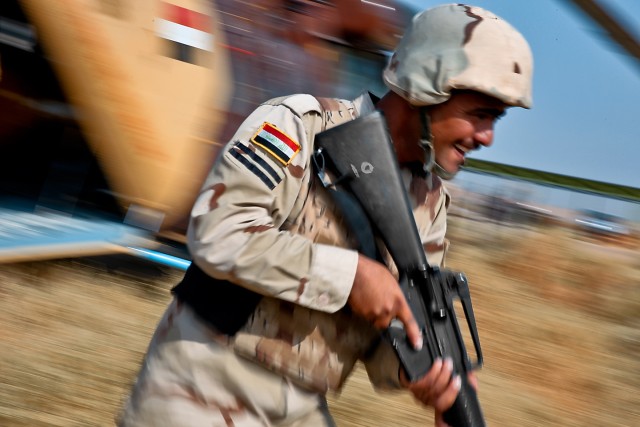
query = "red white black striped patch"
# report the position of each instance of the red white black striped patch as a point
(187, 31)
(276, 142)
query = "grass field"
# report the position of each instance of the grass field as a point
(559, 320)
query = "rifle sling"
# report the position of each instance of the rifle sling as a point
(223, 304)
(357, 221)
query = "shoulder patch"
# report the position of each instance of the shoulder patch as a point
(276, 142)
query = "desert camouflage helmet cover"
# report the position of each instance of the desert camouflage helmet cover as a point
(457, 46)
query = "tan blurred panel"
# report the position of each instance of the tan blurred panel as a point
(150, 81)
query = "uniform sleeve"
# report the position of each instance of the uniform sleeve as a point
(235, 226)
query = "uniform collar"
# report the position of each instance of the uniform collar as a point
(365, 103)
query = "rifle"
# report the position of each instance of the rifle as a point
(360, 155)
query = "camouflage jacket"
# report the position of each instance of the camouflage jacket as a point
(263, 222)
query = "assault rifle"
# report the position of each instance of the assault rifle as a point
(361, 158)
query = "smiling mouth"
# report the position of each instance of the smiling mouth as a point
(462, 149)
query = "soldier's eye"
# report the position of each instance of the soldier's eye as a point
(488, 114)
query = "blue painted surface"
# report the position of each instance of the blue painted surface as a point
(161, 258)
(28, 235)
(43, 234)
(19, 229)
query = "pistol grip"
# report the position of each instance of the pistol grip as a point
(416, 363)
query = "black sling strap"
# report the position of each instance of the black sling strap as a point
(349, 207)
(223, 304)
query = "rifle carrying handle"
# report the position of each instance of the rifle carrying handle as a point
(466, 411)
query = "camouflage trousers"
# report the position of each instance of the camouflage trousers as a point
(190, 377)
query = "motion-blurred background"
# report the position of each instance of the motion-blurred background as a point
(112, 111)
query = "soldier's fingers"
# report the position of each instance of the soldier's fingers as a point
(381, 321)
(433, 373)
(426, 381)
(434, 383)
(429, 388)
(410, 325)
(445, 400)
(443, 379)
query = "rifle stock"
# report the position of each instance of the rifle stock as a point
(360, 154)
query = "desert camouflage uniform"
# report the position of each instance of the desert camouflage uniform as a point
(272, 228)
(264, 223)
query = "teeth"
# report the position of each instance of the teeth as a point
(462, 148)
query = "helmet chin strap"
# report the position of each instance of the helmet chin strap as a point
(426, 142)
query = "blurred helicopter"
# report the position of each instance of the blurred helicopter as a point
(112, 111)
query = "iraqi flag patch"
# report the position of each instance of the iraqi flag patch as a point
(277, 143)
(187, 31)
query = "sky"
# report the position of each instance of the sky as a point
(585, 119)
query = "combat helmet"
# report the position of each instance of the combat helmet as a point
(456, 46)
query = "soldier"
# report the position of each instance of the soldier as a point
(278, 306)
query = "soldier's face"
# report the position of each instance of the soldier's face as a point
(462, 124)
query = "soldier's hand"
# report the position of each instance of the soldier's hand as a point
(377, 297)
(437, 388)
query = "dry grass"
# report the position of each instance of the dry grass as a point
(559, 320)
(72, 337)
